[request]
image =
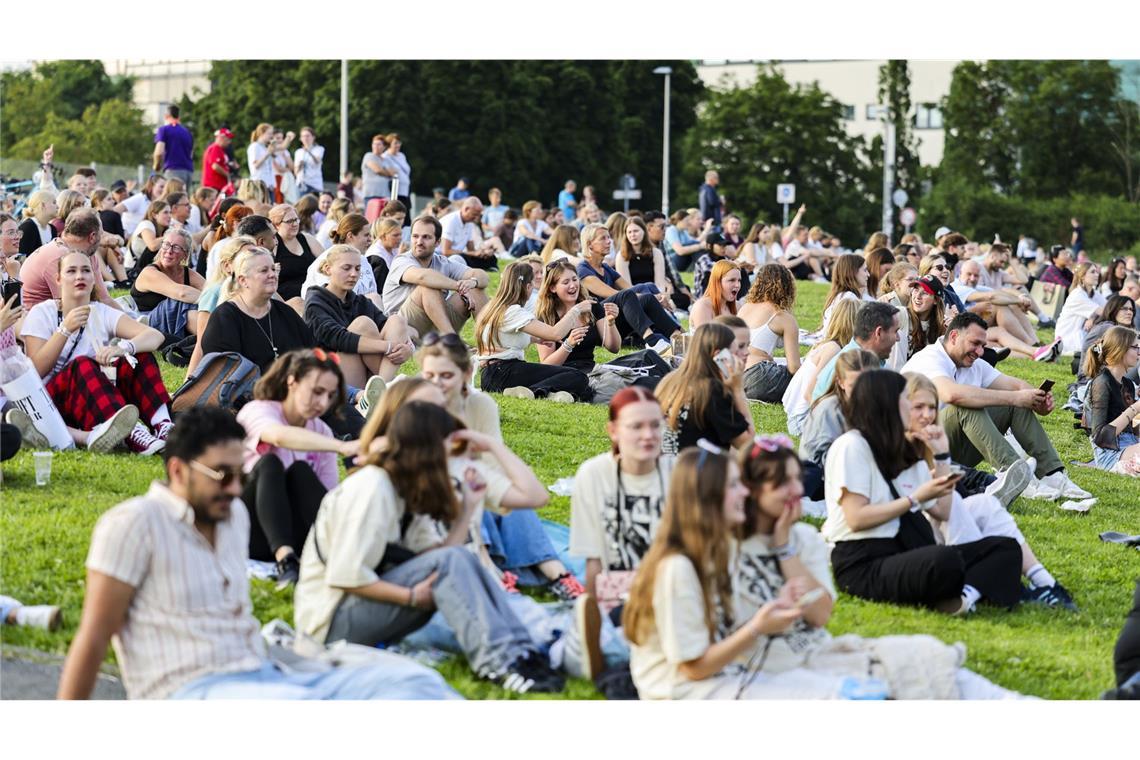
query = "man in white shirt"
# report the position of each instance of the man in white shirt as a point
(167, 585)
(430, 290)
(981, 404)
(460, 233)
(1005, 308)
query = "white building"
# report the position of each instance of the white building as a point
(160, 83)
(855, 84)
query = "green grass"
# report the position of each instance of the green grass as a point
(1047, 653)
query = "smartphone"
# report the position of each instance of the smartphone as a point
(724, 360)
(1047, 386)
(810, 597)
(10, 288)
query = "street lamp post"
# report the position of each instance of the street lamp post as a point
(667, 71)
(343, 117)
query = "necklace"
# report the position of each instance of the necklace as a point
(257, 321)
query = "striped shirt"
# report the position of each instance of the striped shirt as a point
(191, 614)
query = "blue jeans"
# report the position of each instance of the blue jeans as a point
(517, 541)
(1106, 459)
(395, 678)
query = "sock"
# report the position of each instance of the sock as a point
(970, 597)
(1039, 577)
(162, 415)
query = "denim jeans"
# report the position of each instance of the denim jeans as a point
(517, 541)
(393, 677)
(1106, 459)
(470, 599)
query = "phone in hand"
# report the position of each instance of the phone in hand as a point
(724, 360)
(810, 597)
(1047, 386)
(9, 289)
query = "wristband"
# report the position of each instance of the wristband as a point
(411, 596)
(787, 551)
(64, 331)
(944, 457)
(913, 502)
(128, 347)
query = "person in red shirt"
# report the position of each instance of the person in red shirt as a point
(215, 162)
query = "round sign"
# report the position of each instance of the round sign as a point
(907, 216)
(900, 197)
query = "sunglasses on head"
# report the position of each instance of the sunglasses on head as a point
(451, 340)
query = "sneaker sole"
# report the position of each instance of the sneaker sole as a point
(519, 392)
(1015, 483)
(121, 425)
(28, 430)
(561, 397)
(588, 619)
(55, 620)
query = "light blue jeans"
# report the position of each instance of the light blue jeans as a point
(1106, 459)
(393, 677)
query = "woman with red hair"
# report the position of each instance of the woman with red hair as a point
(719, 297)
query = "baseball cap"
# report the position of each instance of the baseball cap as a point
(943, 230)
(223, 132)
(118, 185)
(716, 239)
(931, 285)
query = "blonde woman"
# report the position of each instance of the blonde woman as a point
(387, 235)
(36, 229)
(256, 194)
(212, 290)
(1112, 407)
(565, 243)
(840, 331)
(504, 330)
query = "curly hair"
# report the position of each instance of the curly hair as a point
(774, 284)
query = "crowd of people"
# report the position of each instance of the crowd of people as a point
(701, 579)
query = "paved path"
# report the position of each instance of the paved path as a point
(30, 674)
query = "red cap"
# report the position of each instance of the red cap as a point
(223, 132)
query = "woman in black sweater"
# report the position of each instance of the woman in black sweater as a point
(350, 324)
(1111, 410)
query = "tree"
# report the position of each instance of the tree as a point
(524, 126)
(768, 133)
(894, 93)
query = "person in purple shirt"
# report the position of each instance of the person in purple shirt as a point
(174, 148)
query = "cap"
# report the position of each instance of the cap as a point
(223, 132)
(931, 285)
(118, 185)
(944, 230)
(715, 239)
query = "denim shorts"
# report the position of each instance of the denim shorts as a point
(1106, 459)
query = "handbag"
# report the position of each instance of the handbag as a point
(915, 531)
(1049, 296)
(611, 588)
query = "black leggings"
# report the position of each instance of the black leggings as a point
(882, 570)
(543, 379)
(639, 312)
(10, 440)
(1126, 656)
(282, 506)
(486, 263)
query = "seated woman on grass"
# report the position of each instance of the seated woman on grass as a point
(386, 238)
(212, 292)
(848, 282)
(504, 330)
(387, 548)
(719, 297)
(877, 487)
(797, 396)
(73, 340)
(781, 555)
(768, 312)
(638, 261)
(354, 232)
(531, 232)
(290, 454)
(561, 292)
(565, 243)
(148, 236)
(680, 615)
(704, 397)
(167, 290)
(1112, 408)
(642, 311)
(369, 343)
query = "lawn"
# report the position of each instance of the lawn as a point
(1047, 653)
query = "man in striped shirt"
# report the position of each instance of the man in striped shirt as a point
(167, 586)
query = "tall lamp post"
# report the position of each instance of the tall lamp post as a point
(343, 117)
(667, 71)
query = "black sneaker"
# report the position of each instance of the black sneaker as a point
(566, 587)
(530, 674)
(1051, 596)
(288, 572)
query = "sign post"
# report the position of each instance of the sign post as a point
(627, 191)
(786, 195)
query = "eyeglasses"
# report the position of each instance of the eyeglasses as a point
(172, 247)
(451, 340)
(294, 220)
(327, 356)
(222, 477)
(17, 233)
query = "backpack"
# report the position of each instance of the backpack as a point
(220, 379)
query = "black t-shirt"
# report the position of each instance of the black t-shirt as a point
(31, 238)
(231, 329)
(641, 269)
(112, 223)
(582, 357)
(294, 268)
(723, 423)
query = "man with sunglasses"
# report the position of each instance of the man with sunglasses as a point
(167, 586)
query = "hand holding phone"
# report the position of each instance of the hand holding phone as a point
(1047, 386)
(810, 597)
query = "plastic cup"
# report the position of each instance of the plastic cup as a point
(42, 461)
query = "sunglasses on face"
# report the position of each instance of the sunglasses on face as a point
(940, 267)
(222, 477)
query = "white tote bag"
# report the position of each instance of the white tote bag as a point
(26, 390)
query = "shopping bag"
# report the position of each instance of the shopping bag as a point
(24, 388)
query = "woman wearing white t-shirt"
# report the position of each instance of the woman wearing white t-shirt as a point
(680, 617)
(531, 232)
(876, 488)
(505, 329)
(1081, 307)
(259, 157)
(70, 343)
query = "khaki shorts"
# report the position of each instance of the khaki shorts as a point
(421, 322)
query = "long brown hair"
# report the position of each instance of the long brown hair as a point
(844, 278)
(935, 326)
(694, 383)
(875, 260)
(692, 525)
(415, 458)
(759, 465)
(547, 308)
(644, 248)
(511, 292)
(274, 384)
(1109, 350)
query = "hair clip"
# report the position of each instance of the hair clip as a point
(771, 444)
(707, 447)
(329, 356)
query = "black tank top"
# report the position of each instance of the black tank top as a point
(640, 269)
(148, 301)
(294, 268)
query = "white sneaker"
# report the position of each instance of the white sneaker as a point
(561, 397)
(142, 441)
(663, 347)
(1060, 482)
(1010, 482)
(1039, 490)
(107, 435)
(519, 391)
(28, 430)
(43, 616)
(373, 390)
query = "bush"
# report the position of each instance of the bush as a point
(1112, 224)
